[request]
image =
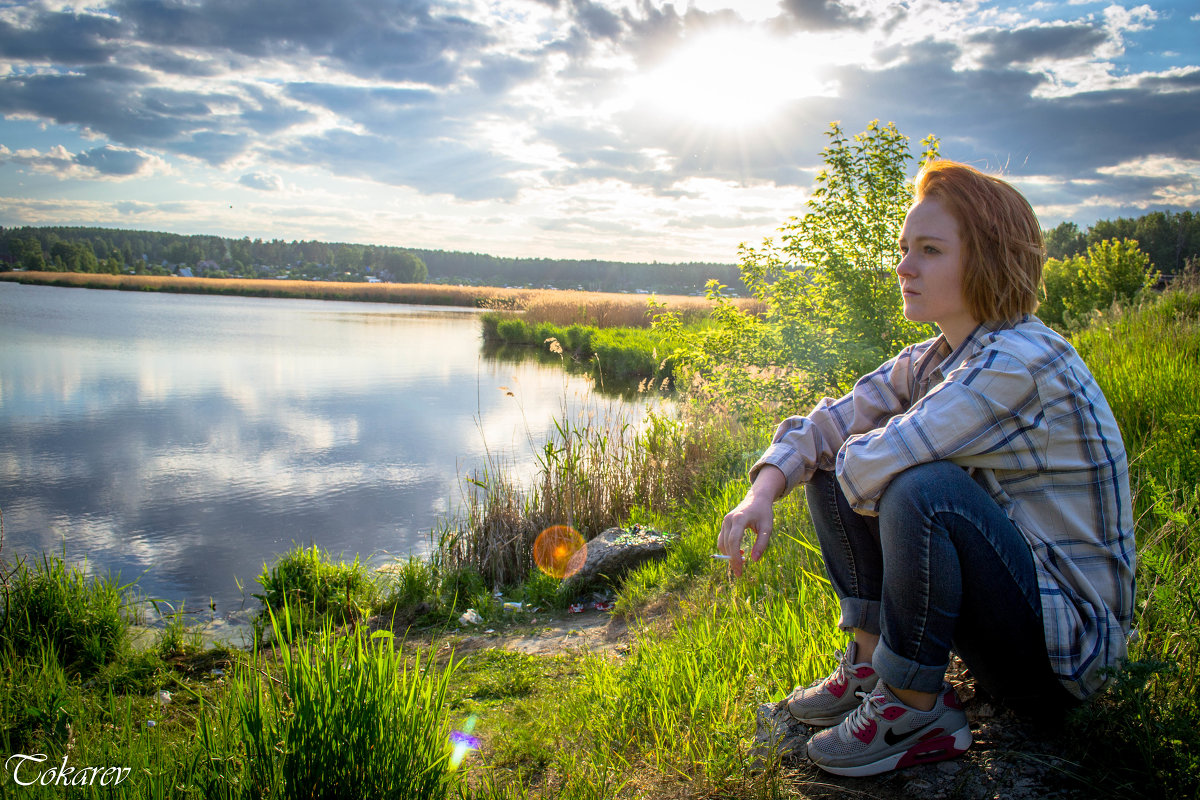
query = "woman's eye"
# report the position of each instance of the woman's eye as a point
(930, 249)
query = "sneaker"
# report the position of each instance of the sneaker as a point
(884, 734)
(829, 701)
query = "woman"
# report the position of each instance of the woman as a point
(971, 493)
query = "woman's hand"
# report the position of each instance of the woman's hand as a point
(756, 512)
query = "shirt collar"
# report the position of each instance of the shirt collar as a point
(939, 359)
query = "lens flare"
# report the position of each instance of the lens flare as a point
(559, 551)
(463, 742)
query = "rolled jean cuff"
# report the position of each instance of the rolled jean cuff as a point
(861, 614)
(903, 673)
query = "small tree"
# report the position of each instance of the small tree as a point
(1113, 271)
(833, 305)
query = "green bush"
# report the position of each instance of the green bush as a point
(833, 305)
(1113, 272)
(82, 618)
(316, 588)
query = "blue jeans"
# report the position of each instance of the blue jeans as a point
(940, 568)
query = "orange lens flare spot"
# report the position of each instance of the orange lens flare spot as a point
(559, 551)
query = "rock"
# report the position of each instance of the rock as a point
(778, 735)
(612, 554)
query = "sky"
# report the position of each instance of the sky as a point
(633, 130)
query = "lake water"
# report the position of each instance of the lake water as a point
(184, 440)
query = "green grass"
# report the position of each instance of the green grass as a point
(82, 619)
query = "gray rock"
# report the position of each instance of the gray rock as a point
(614, 553)
(778, 736)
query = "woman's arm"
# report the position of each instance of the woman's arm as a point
(804, 444)
(986, 413)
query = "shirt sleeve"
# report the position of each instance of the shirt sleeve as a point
(986, 413)
(804, 444)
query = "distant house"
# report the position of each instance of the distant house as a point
(186, 272)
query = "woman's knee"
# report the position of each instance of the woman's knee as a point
(912, 489)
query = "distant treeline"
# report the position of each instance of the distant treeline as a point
(1169, 239)
(117, 251)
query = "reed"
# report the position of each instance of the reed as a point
(591, 476)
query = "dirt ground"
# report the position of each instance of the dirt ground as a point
(549, 633)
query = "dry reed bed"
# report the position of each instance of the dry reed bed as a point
(557, 306)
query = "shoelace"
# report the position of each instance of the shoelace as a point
(867, 711)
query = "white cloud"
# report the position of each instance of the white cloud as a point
(100, 163)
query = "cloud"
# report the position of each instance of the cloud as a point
(999, 48)
(819, 15)
(596, 20)
(61, 38)
(263, 181)
(497, 74)
(124, 105)
(398, 41)
(106, 162)
(115, 161)
(432, 167)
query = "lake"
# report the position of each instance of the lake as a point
(184, 440)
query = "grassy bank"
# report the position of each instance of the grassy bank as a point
(671, 715)
(599, 308)
(611, 338)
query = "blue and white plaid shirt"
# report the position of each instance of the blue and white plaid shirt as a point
(1017, 407)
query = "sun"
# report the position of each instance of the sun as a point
(729, 78)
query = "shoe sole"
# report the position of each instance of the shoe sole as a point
(939, 749)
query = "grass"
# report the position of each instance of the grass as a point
(82, 621)
(673, 717)
(349, 717)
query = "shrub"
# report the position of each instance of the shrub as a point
(832, 306)
(316, 588)
(1113, 272)
(82, 618)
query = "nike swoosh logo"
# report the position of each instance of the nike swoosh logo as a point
(893, 738)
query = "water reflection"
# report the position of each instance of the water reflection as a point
(188, 439)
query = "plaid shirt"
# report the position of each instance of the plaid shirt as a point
(1016, 406)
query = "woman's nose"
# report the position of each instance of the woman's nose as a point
(905, 268)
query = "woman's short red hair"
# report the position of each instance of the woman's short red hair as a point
(1002, 247)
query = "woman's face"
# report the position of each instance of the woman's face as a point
(931, 271)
